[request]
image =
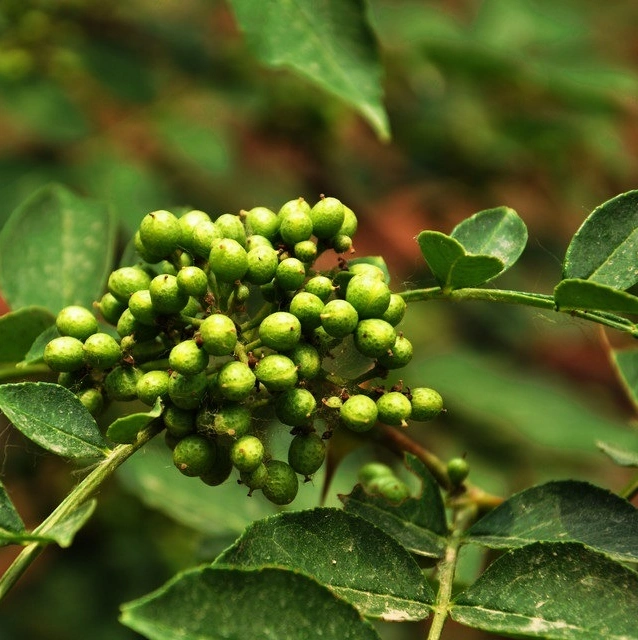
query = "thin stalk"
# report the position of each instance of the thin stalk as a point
(15, 373)
(631, 490)
(80, 494)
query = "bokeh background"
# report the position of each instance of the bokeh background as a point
(154, 104)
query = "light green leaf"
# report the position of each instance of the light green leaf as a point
(564, 511)
(626, 363)
(622, 457)
(61, 246)
(604, 249)
(218, 603)
(10, 522)
(419, 524)
(356, 560)
(53, 418)
(561, 591)
(36, 352)
(591, 296)
(124, 430)
(64, 532)
(19, 329)
(471, 271)
(498, 232)
(327, 41)
(440, 252)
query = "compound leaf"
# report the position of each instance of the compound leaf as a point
(440, 252)
(328, 42)
(562, 591)
(218, 602)
(53, 418)
(604, 249)
(419, 523)
(19, 329)
(355, 559)
(62, 247)
(498, 232)
(592, 296)
(563, 511)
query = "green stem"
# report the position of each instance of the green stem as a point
(631, 490)
(538, 300)
(80, 494)
(447, 569)
(262, 314)
(15, 373)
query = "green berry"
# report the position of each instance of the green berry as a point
(166, 295)
(160, 232)
(187, 358)
(151, 386)
(228, 260)
(306, 251)
(398, 356)
(188, 223)
(74, 380)
(332, 402)
(307, 308)
(254, 241)
(262, 221)
(327, 217)
(230, 419)
(222, 466)
(373, 470)
(307, 359)
(77, 322)
(64, 354)
(179, 422)
(231, 226)
(236, 381)
(394, 408)
(306, 453)
(290, 274)
(368, 295)
(203, 238)
(350, 223)
(390, 488)
(101, 351)
(121, 383)
(144, 252)
(292, 207)
(374, 337)
(93, 400)
(218, 334)
(366, 268)
(339, 318)
(341, 243)
(247, 453)
(194, 455)
(111, 308)
(280, 331)
(192, 281)
(128, 325)
(295, 227)
(277, 372)
(358, 413)
(256, 478)
(262, 264)
(295, 407)
(282, 484)
(165, 267)
(426, 404)
(457, 470)
(395, 311)
(141, 307)
(187, 392)
(321, 286)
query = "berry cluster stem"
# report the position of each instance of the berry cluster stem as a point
(78, 496)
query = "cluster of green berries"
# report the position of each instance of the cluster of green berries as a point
(228, 322)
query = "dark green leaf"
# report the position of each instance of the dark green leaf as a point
(124, 430)
(36, 353)
(604, 249)
(327, 41)
(19, 329)
(591, 296)
(419, 524)
(64, 532)
(626, 363)
(498, 232)
(564, 511)
(471, 271)
(553, 590)
(53, 418)
(622, 457)
(61, 246)
(10, 521)
(356, 560)
(218, 603)
(440, 252)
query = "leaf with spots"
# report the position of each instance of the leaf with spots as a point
(353, 558)
(562, 591)
(61, 246)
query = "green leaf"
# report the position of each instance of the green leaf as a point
(19, 329)
(218, 603)
(440, 252)
(498, 232)
(357, 561)
(604, 249)
(64, 532)
(53, 418)
(124, 430)
(10, 522)
(55, 250)
(626, 363)
(622, 457)
(553, 590)
(591, 296)
(471, 271)
(36, 352)
(328, 42)
(419, 524)
(564, 511)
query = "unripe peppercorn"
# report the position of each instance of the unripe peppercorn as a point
(231, 226)
(187, 358)
(280, 331)
(141, 307)
(349, 224)
(277, 372)
(295, 227)
(290, 274)
(101, 351)
(373, 470)
(281, 485)
(368, 295)
(390, 488)
(160, 232)
(341, 243)
(111, 308)
(307, 359)
(293, 206)
(192, 281)
(228, 260)
(64, 354)
(306, 453)
(327, 217)
(247, 453)
(124, 281)
(254, 241)
(194, 455)
(295, 407)
(374, 337)
(262, 264)
(179, 422)
(218, 334)
(262, 221)
(358, 413)
(222, 466)
(187, 225)
(166, 295)
(321, 286)
(121, 383)
(394, 408)
(398, 356)
(339, 318)
(395, 311)
(93, 400)
(457, 470)
(151, 386)
(426, 404)
(307, 308)
(77, 322)
(128, 325)
(306, 251)
(203, 238)
(146, 254)
(228, 420)
(187, 392)
(256, 478)
(236, 381)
